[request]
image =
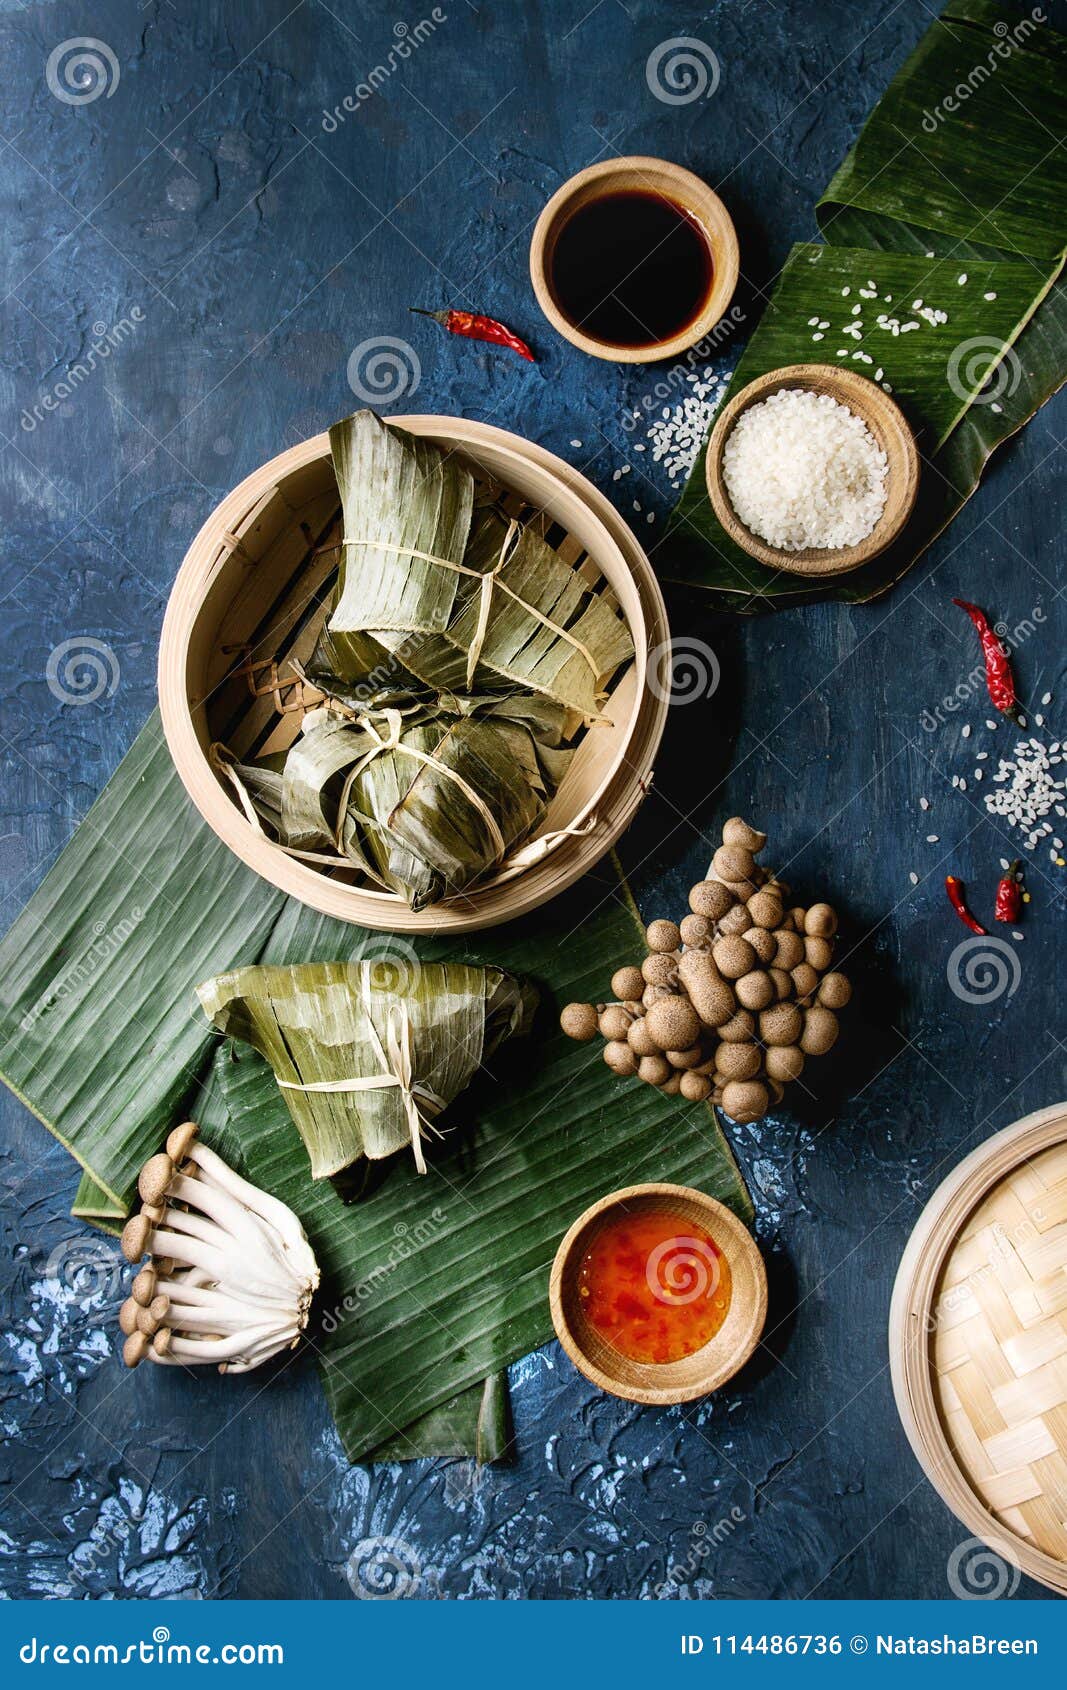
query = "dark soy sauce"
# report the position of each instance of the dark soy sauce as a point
(631, 268)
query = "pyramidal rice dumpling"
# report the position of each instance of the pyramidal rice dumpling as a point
(366, 1060)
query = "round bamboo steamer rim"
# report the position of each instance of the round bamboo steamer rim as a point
(611, 804)
(890, 429)
(662, 1383)
(981, 1294)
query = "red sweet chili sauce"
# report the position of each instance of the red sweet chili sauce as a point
(655, 1285)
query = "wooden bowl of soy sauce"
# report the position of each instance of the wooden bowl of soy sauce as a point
(634, 260)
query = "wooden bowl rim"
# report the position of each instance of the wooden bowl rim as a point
(506, 896)
(932, 1238)
(863, 397)
(696, 197)
(723, 1223)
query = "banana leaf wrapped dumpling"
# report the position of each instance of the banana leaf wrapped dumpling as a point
(425, 801)
(440, 590)
(367, 1061)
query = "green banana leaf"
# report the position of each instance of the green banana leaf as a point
(92, 1204)
(331, 1024)
(430, 1284)
(100, 1036)
(987, 163)
(476, 1423)
(926, 184)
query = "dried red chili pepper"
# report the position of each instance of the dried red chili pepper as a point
(474, 327)
(956, 898)
(998, 675)
(1009, 904)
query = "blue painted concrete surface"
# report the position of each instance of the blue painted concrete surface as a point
(233, 233)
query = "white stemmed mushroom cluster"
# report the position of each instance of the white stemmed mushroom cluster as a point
(231, 1274)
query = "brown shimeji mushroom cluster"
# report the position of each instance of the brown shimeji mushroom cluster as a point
(730, 1002)
(231, 1274)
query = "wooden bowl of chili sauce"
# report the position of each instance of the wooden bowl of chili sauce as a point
(658, 1294)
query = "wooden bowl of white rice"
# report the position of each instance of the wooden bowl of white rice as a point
(812, 469)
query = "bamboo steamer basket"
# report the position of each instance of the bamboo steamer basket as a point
(978, 1343)
(247, 599)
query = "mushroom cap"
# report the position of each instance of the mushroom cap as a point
(834, 992)
(709, 993)
(738, 1062)
(784, 1062)
(614, 1021)
(710, 898)
(128, 1317)
(740, 1029)
(654, 1070)
(673, 1023)
(154, 1212)
(663, 936)
(135, 1236)
(733, 956)
(789, 948)
(179, 1142)
(652, 994)
(147, 1322)
(782, 1024)
(745, 1100)
(765, 909)
(640, 1039)
(794, 918)
(161, 1341)
(619, 1057)
(755, 990)
(672, 1085)
(782, 983)
(135, 1349)
(660, 968)
(627, 983)
(763, 943)
(154, 1178)
(579, 1021)
(732, 863)
(821, 921)
(805, 979)
(738, 832)
(743, 890)
(143, 1288)
(684, 1059)
(695, 1088)
(696, 931)
(820, 1030)
(736, 920)
(819, 952)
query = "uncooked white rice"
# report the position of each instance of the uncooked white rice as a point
(801, 470)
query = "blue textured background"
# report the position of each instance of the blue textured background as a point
(261, 249)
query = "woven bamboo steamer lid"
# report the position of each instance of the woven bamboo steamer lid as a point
(978, 1343)
(255, 555)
